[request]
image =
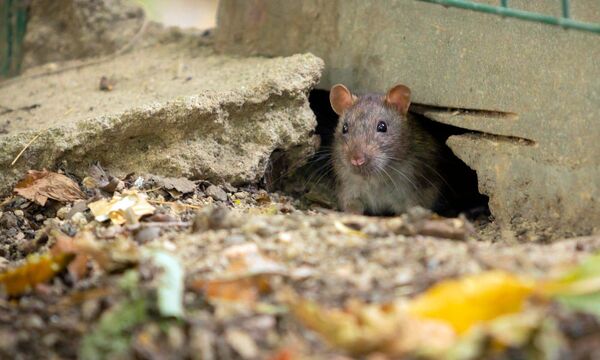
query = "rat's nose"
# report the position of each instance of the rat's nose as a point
(357, 160)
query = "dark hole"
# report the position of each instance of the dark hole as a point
(461, 194)
(315, 181)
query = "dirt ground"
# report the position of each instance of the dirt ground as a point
(326, 256)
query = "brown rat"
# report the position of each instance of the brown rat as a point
(384, 160)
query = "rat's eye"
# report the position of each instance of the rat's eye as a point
(345, 128)
(381, 126)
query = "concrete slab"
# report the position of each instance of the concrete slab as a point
(524, 80)
(175, 109)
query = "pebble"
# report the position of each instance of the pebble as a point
(241, 195)
(19, 213)
(79, 219)
(3, 263)
(9, 220)
(63, 212)
(78, 207)
(242, 343)
(234, 239)
(147, 234)
(216, 193)
(229, 188)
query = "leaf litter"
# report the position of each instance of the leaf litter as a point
(152, 267)
(39, 186)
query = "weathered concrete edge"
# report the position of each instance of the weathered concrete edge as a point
(504, 164)
(69, 145)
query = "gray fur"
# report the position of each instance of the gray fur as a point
(400, 169)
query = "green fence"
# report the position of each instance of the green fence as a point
(503, 9)
(13, 20)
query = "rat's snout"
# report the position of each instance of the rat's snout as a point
(357, 159)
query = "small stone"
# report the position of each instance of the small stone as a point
(202, 343)
(242, 343)
(9, 220)
(176, 337)
(34, 322)
(90, 309)
(79, 219)
(39, 217)
(147, 234)
(78, 207)
(241, 195)
(229, 188)
(3, 263)
(234, 239)
(63, 212)
(216, 193)
(19, 213)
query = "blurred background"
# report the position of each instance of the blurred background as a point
(199, 14)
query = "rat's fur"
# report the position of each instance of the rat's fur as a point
(400, 163)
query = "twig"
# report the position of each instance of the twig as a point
(25, 148)
(166, 224)
(160, 202)
(151, 190)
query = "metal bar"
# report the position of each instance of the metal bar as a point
(504, 3)
(519, 14)
(566, 5)
(20, 29)
(5, 37)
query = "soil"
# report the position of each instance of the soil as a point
(326, 256)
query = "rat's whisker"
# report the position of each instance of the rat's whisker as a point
(405, 177)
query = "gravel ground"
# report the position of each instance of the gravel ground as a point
(324, 255)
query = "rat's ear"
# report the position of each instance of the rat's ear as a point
(399, 97)
(341, 98)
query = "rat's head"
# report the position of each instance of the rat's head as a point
(371, 128)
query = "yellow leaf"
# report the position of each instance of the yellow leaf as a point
(362, 328)
(472, 300)
(37, 269)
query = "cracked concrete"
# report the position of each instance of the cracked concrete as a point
(176, 109)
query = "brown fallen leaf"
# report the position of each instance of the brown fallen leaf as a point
(39, 186)
(362, 328)
(78, 268)
(109, 256)
(247, 276)
(243, 290)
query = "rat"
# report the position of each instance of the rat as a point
(384, 160)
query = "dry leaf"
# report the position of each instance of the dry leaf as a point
(179, 185)
(244, 290)
(128, 207)
(35, 270)
(474, 299)
(246, 278)
(109, 256)
(39, 186)
(247, 259)
(364, 328)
